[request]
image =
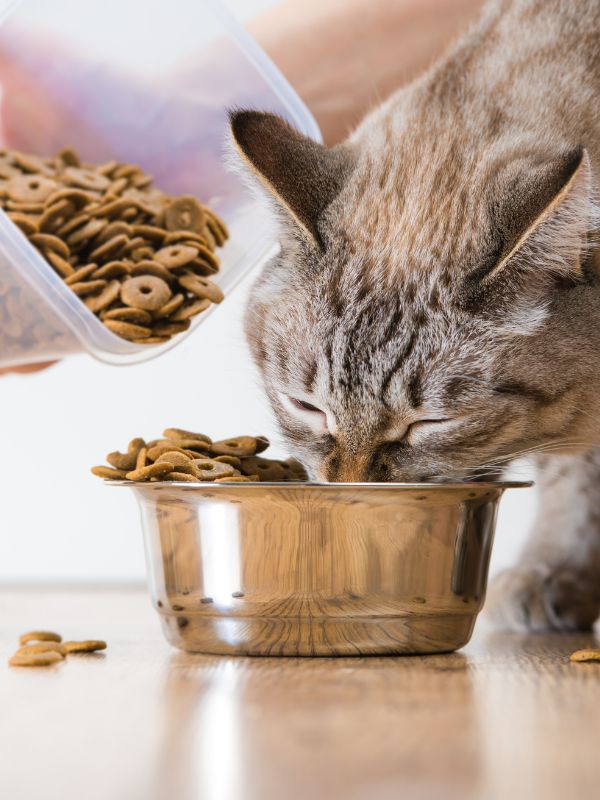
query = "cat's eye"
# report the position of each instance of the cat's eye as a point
(423, 426)
(420, 422)
(302, 405)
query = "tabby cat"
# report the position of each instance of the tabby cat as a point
(434, 311)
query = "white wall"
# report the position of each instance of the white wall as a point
(57, 522)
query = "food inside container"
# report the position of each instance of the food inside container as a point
(246, 556)
(127, 82)
(138, 259)
(189, 457)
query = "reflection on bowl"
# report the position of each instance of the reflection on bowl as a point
(318, 569)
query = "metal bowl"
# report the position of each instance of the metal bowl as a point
(318, 569)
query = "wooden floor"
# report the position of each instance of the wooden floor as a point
(507, 718)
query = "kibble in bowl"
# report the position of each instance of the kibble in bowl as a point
(261, 561)
(190, 457)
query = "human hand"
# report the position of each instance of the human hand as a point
(26, 369)
(344, 57)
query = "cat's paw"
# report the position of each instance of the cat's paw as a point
(535, 600)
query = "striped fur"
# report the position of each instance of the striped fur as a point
(436, 293)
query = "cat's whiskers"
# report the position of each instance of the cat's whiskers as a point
(557, 445)
(492, 468)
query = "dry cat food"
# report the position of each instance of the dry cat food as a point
(39, 636)
(42, 648)
(85, 646)
(35, 659)
(192, 457)
(589, 654)
(139, 259)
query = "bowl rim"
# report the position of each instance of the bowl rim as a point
(479, 486)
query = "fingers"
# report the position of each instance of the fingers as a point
(25, 369)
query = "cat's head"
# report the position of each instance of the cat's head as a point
(425, 317)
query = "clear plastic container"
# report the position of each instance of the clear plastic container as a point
(145, 82)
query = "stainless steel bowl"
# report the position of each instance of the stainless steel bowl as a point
(318, 569)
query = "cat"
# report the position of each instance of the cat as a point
(434, 310)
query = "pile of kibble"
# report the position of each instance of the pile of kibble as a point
(43, 648)
(193, 457)
(138, 258)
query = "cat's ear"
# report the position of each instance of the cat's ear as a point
(545, 220)
(302, 175)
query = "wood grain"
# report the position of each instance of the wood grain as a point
(508, 717)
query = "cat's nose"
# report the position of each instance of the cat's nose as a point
(378, 469)
(346, 467)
